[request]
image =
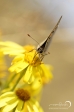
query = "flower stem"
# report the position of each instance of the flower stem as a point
(8, 82)
(21, 75)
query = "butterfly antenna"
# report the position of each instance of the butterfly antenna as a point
(33, 38)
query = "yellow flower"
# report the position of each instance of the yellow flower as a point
(26, 57)
(11, 48)
(48, 74)
(2, 66)
(19, 101)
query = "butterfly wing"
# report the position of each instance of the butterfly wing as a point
(43, 47)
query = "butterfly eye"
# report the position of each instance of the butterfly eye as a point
(40, 50)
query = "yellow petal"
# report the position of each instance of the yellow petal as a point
(29, 106)
(10, 44)
(35, 108)
(19, 106)
(11, 48)
(7, 94)
(18, 58)
(29, 109)
(28, 73)
(4, 101)
(19, 66)
(10, 106)
(40, 109)
(11, 51)
(46, 72)
(32, 78)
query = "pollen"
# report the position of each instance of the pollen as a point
(29, 48)
(32, 57)
(23, 94)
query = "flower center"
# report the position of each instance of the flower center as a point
(23, 94)
(31, 56)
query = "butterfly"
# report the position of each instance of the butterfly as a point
(42, 48)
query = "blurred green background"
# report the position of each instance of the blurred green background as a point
(37, 18)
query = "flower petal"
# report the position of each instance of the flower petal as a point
(37, 83)
(11, 106)
(18, 58)
(4, 101)
(47, 75)
(28, 73)
(35, 104)
(29, 106)
(7, 94)
(18, 67)
(11, 48)
(29, 109)
(10, 44)
(35, 108)
(19, 106)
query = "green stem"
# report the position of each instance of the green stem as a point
(8, 82)
(21, 75)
